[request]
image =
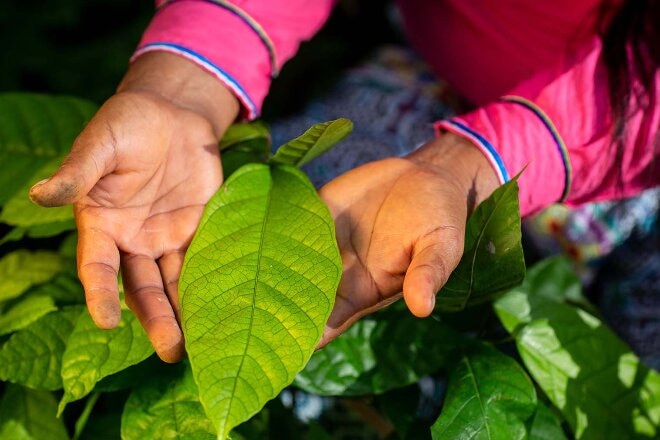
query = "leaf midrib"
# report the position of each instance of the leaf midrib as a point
(473, 379)
(253, 307)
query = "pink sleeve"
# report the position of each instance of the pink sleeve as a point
(556, 126)
(243, 43)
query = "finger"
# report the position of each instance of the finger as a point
(170, 266)
(352, 301)
(435, 256)
(98, 265)
(91, 157)
(347, 315)
(146, 297)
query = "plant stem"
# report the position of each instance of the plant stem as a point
(84, 416)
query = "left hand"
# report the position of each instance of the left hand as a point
(401, 225)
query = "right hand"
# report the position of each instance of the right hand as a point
(139, 176)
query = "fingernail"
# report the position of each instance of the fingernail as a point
(431, 303)
(41, 182)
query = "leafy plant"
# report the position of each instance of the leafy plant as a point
(258, 283)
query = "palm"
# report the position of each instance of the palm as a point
(400, 212)
(160, 167)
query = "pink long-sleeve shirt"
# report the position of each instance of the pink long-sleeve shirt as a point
(533, 68)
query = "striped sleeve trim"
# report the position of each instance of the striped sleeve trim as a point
(252, 23)
(459, 127)
(559, 142)
(206, 64)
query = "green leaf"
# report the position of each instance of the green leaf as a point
(92, 353)
(25, 313)
(597, 382)
(34, 410)
(50, 229)
(489, 397)
(314, 142)
(13, 235)
(367, 359)
(246, 132)
(33, 355)
(20, 211)
(545, 425)
(257, 287)
(493, 259)
(14, 431)
(35, 130)
(132, 376)
(166, 408)
(244, 143)
(63, 289)
(21, 269)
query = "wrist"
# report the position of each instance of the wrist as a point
(184, 84)
(468, 166)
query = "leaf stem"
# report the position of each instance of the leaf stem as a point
(84, 416)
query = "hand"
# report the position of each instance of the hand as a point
(400, 227)
(139, 176)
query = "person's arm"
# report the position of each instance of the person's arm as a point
(243, 44)
(557, 127)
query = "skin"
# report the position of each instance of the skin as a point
(141, 171)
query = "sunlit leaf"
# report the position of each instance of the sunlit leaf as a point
(25, 312)
(597, 382)
(489, 397)
(33, 356)
(493, 258)
(257, 287)
(21, 269)
(92, 353)
(315, 141)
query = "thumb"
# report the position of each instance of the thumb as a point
(90, 159)
(435, 256)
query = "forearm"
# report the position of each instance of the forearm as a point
(184, 84)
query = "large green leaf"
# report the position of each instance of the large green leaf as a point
(367, 359)
(35, 131)
(314, 142)
(34, 410)
(166, 408)
(25, 312)
(33, 355)
(21, 269)
(257, 287)
(489, 397)
(597, 382)
(493, 258)
(92, 353)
